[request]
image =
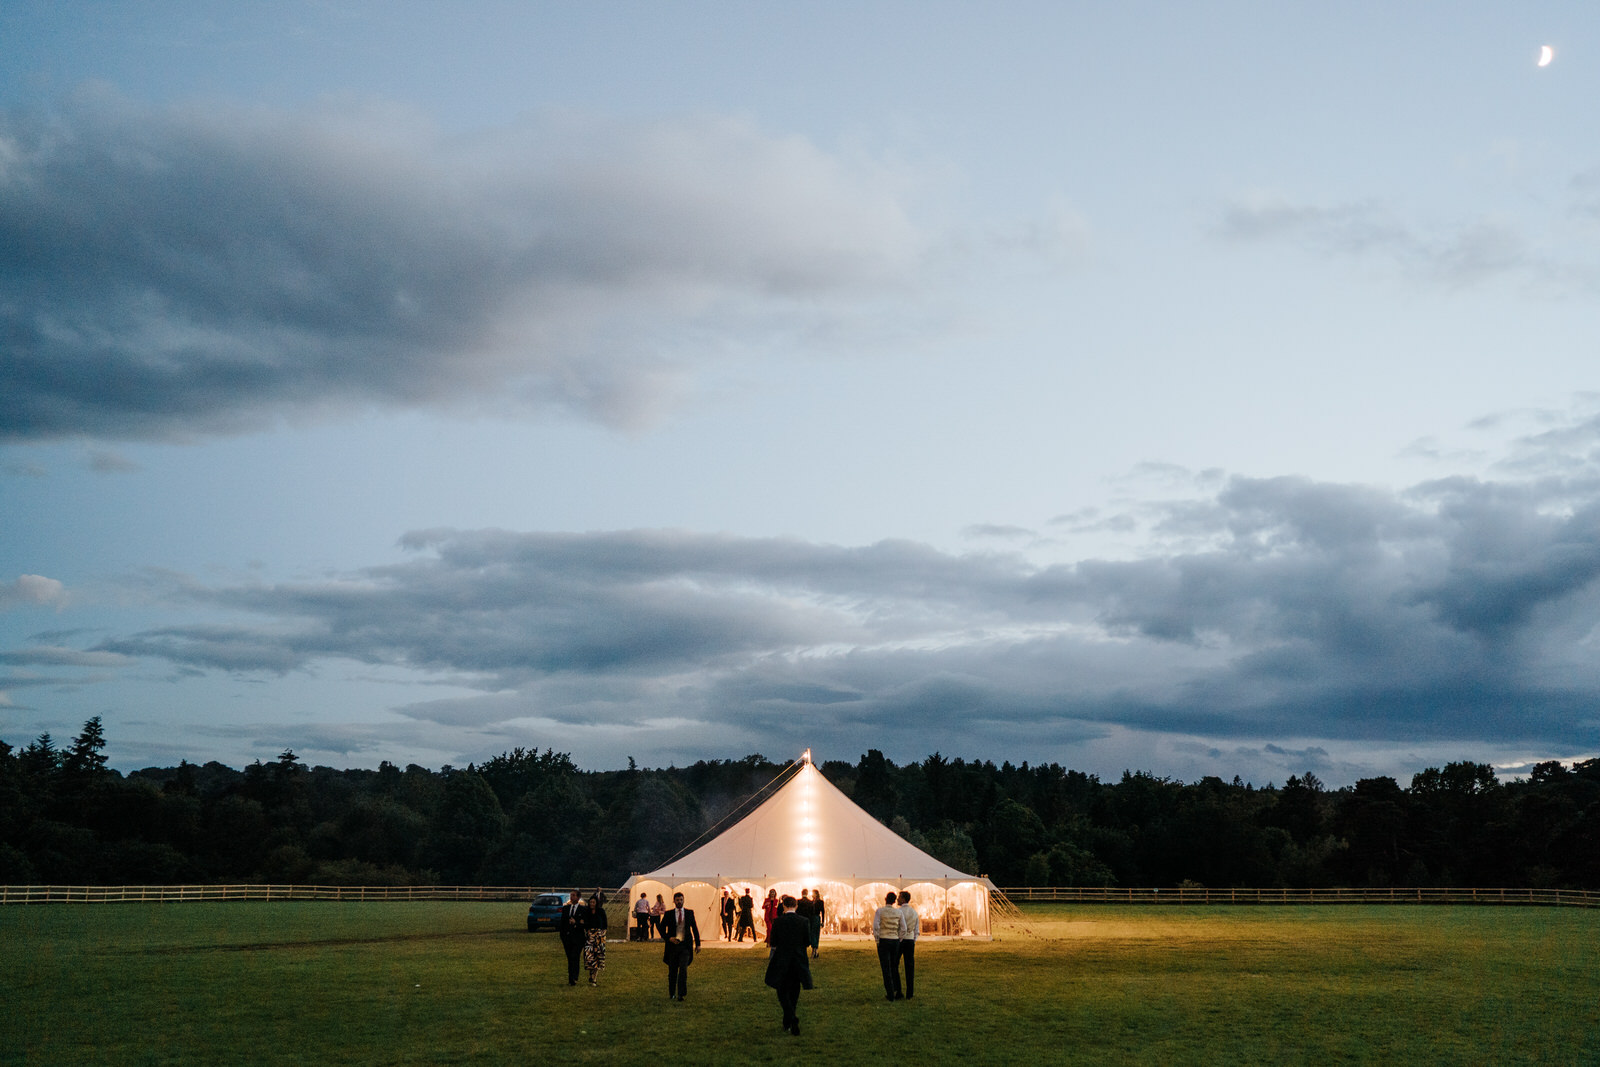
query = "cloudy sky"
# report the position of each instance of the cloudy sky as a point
(1201, 389)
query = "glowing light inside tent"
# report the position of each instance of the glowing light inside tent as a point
(808, 834)
(806, 837)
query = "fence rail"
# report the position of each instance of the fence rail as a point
(108, 894)
(1580, 898)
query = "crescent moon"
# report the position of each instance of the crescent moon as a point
(1546, 54)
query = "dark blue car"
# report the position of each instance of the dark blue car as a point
(545, 912)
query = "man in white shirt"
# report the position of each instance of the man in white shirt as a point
(886, 929)
(641, 918)
(910, 924)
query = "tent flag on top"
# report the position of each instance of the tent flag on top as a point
(809, 835)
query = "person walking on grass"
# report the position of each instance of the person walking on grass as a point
(683, 938)
(788, 971)
(886, 930)
(571, 930)
(747, 915)
(805, 909)
(594, 948)
(818, 914)
(727, 909)
(910, 925)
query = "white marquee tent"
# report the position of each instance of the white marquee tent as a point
(809, 835)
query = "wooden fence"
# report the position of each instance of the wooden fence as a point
(106, 894)
(1581, 898)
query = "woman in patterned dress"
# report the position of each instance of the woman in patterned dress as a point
(594, 950)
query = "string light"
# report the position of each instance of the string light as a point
(806, 832)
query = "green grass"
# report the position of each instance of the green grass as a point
(330, 982)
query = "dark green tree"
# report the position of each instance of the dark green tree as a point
(86, 757)
(466, 830)
(1012, 833)
(40, 760)
(874, 789)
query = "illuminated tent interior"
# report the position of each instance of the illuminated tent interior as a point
(809, 835)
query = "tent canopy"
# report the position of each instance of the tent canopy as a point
(809, 835)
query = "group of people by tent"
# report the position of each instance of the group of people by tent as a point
(790, 935)
(738, 915)
(805, 838)
(894, 927)
(809, 840)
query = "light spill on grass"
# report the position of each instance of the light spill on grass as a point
(456, 983)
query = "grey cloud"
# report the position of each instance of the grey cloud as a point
(472, 711)
(25, 681)
(195, 270)
(56, 637)
(1348, 228)
(1316, 753)
(1429, 448)
(1567, 447)
(1298, 761)
(1461, 609)
(233, 743)
(998, 532)
(232, 648)
(104, 462)
(1510, 559)
(56, 656)
(1091, 521)
(1457, 254)
(32, 590)
(509, 605)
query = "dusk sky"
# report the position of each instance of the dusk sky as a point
(1201, 389)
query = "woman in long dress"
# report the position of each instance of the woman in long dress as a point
(769, 911)
(594, 950)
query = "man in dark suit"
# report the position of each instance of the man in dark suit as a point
(683, 938)
(574, 933)
(747, 915)
(728, 907)
(788, 971)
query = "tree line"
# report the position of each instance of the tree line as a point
(534, 818)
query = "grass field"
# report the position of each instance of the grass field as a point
(326, 982)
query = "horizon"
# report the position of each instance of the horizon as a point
(1503, 774)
